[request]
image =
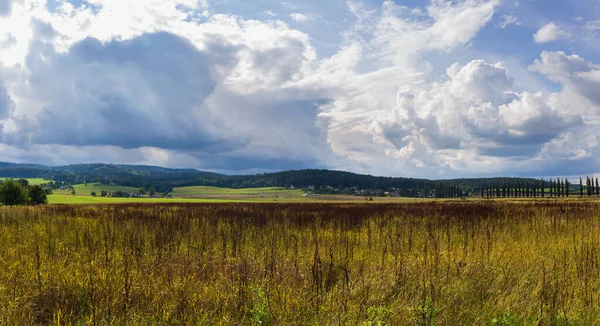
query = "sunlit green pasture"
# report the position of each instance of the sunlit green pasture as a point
(83, 190)
(32, 181)
(206, 190)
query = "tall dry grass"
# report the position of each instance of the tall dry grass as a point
(303, 264)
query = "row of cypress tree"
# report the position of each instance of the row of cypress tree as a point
(538, 188)
(448, 190)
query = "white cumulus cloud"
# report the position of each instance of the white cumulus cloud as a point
(549, 33)
(301, 18)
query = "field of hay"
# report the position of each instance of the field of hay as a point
(437, 263)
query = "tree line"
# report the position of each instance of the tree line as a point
(20, 192)
(539, 188)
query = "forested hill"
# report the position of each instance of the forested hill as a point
(164, 179)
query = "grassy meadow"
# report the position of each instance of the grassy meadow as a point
(199, 194)
(436, 263)
(204, 190)
(87, 189)
(32, 181)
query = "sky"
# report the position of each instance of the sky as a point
(416, 88)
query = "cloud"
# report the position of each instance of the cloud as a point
(209, 97)
(579, 77)
(474, 110)
(508, 20)
(549, 33)
(9, 41)
(470, 121)
(176, 83)
(592, 25)
(147, 91)
(301, 18)
(6, 103)
(47, 154)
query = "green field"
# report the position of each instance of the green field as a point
(206, 190)
(200, 194)
(32, 181)
(83, 190)
(180, 195)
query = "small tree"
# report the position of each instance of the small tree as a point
(542, 188)
(141, 191)
(152, 191)
(12, 193)
(93, 194)
(23, 182)
(37, 195)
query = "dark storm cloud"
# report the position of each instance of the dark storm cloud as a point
(160, 91)
(148, 91)
(531, 137)
(510, 151)
(241, 163)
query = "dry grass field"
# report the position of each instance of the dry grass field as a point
(436, 263)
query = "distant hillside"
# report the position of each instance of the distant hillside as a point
(165, 179)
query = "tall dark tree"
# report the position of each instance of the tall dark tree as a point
(580, 187)
(37, 195)
(514, 188)
(542, 188)
(13, 193)
(551, 188)
(588, 186)
(567, 187)
(559, 187)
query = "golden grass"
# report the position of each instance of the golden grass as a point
(432, 263)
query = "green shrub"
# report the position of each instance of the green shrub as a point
(505, 319)
(259, 315)
(377, 316)
(426, 314)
